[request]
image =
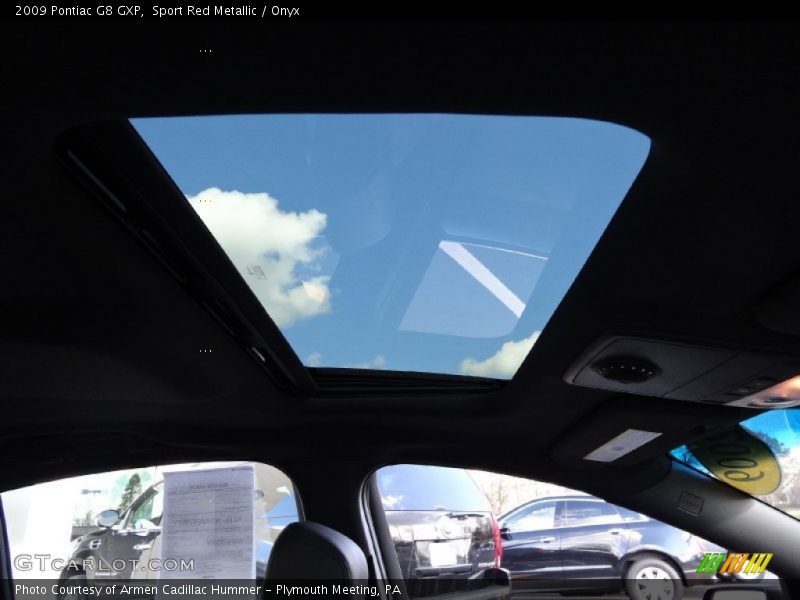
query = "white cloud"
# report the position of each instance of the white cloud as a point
(266, 245)
(314, 359)
(503, 363)
(379, 362)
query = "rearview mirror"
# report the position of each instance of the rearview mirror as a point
(108, 518)
(735, 594)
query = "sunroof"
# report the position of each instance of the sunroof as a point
(413, 242)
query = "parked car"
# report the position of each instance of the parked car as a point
(584, 544)
(441, 524)
(134, 534)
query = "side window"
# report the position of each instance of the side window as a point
(629, 515)
(90, 524)
(446, 527)
(589, 512)
(537, 516)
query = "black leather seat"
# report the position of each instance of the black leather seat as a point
(312, 551)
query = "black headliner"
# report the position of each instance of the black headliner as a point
(98, 338)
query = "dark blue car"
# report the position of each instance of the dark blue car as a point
(584, 544)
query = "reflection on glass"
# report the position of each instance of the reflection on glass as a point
(780, 430)
(432, 243)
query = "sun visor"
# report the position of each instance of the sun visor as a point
(629, 430)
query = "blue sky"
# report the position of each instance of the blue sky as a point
(783, 425)
(435, 243)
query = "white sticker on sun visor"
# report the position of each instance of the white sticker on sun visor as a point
(625, 442)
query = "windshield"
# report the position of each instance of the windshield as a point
(772, 476)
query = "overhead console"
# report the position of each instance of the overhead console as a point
(688, 371)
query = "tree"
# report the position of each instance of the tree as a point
(86, 521)
(777, 446)
(132, 490)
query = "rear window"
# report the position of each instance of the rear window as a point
(415, 487)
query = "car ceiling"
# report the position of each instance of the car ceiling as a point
(101, 347)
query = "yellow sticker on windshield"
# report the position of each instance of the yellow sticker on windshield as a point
(740, 459)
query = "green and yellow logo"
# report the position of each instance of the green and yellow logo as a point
(734, 563)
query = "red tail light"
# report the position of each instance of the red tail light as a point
(498, 543)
